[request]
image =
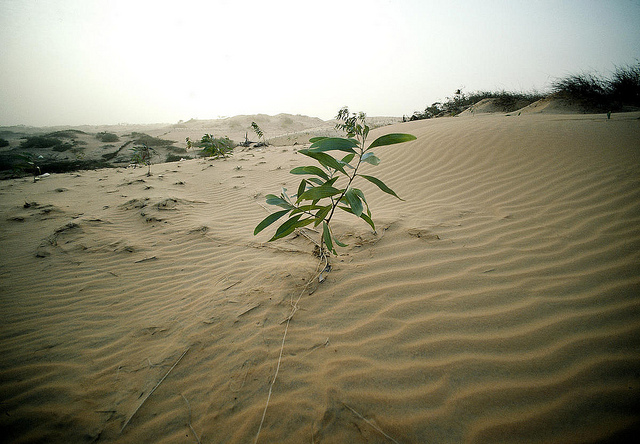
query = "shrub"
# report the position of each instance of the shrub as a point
(3, 143)
(212, 146)
(624, 86)
(150, 141)
(40, 142)
(588, 90)
(507, 100)
(26, 163)
(319, 195)
(598, 93)
(107, 137)
(65, 134)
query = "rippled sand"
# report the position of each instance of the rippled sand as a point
(500, 302)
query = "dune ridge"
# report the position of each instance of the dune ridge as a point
(497, 303)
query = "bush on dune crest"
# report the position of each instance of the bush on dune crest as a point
(507, 100)
(594, 92)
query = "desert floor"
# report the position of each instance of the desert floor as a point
(500, 302)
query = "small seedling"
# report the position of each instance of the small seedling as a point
(329, 187)
(142, 156)
(259, 133)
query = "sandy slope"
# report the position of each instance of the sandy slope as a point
(82, 144)
(498, 303)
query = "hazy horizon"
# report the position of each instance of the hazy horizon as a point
(73, 62)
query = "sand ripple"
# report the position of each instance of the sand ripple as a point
(498, 303)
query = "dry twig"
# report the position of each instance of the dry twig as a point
(377, 429)
(189, 423)
(284, 337)
(153, 390)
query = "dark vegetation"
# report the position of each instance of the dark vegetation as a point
(145, 139)
(590, 91)
(107, 137)
(506, 100)
(619, 92)
(173, 158)
(58, 140)
(212, 146)
(18, 165)
(66, 166)
(39, 154)
(43, 142)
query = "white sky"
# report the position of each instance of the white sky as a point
(104, 62)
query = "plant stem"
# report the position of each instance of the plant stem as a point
(337, 201)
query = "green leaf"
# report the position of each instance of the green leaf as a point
(368, 220)
(286, 228)
(319, 193)
(370, 158)
(348, 158)
(272, 199)
(314, 170)
(360, 194)
(326, 236)
(316, 139)
(289, 226)
(334, 144)
(340, 244)
(269, 220)
(324, 159)
(380, 184)
(302, 187)
(390, 139)
(330, 182)
(321, 214)
(316, 181)
(307, 208)
(363, 216)
(354, 201)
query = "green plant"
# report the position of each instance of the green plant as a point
(212, 146)
(507, 100)
(259, 133)
(594, 92)
(142, 156)
(330, 186)
(588, 90)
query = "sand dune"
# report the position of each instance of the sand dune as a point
(497, 303)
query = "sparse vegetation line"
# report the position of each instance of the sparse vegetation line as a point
(591, 91)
